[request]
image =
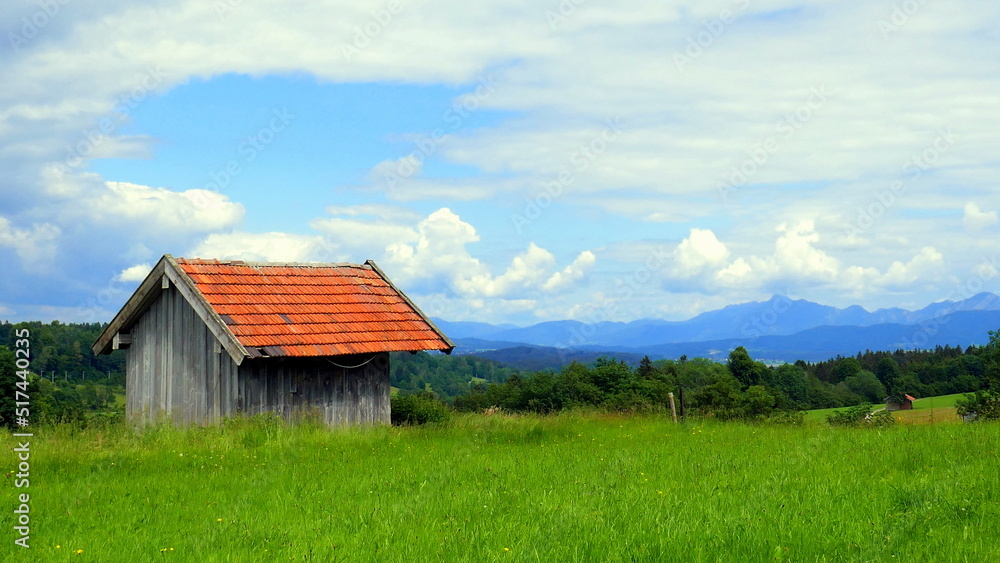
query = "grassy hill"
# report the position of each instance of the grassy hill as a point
(561, 488)
(926, 410)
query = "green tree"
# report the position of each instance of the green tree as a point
(720, 398)
(887, 370)
(866, 384)
(757, 402)
(991, 360)
(611, 376)
(982, 405)
(790, 379)
(846, 367)
(645, 369)
(8, 377)
(741, 366)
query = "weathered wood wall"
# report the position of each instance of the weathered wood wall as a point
(175, 368)
(339, 395)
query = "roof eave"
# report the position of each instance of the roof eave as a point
(204, 309)
(148, 290)
(426, 319)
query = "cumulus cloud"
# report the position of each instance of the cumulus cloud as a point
(684, 130)
(369, 229)
(926, 266)
(796, 261)
(795, 257)
(700, 250)
(570, 274)
(35, 246)
(266, 247)
(975, 219)
(435, 253)
(135, 273)
(160, 208)
(428, 254)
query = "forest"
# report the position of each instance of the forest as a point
(742, 387)
(74, 385)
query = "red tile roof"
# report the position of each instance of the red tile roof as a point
(312, 310)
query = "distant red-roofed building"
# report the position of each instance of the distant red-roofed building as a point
(897, 403)
(207, 339)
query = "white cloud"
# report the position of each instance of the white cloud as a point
(927, 266)
(525, 270)
(266, 247)
(163, 209)
(570, 274)
(429, 255)
(367, 237)
(432, 253)
(683, 131)
(795, 258)
(402, 180)
(439, 249)
(378, 211)
(796, 261)
(976, 219)
(391, 173)
(135, 273)
(36, 247)
(700, 250)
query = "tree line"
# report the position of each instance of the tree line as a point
(74, 384)
(743, 387)
(71, 383)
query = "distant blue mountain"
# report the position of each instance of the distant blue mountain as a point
(470, 329)
(961, 328)
(779, 329)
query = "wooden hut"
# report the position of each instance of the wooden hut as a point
(207, 339)
(897, 403)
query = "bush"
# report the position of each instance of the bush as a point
(419, 408)
(861, 416)
(981, 405)
(789, 418)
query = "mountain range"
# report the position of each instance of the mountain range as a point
(779, 329)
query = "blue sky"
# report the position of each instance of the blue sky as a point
(517, 162)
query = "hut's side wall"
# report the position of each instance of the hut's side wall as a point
(333, 388)
(175, 367)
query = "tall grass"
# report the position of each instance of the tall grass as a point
(503, 488)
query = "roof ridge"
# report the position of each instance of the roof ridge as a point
(257, 264)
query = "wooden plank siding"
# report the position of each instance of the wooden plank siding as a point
(171, 370)
(177, 369)
(293, 387)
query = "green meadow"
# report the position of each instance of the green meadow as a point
(571, 487)
(940, 409)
